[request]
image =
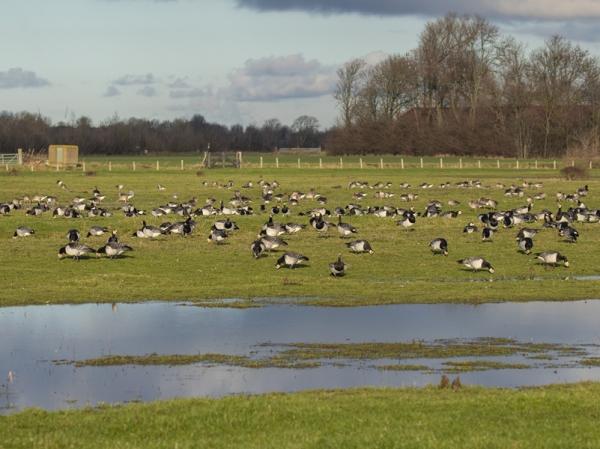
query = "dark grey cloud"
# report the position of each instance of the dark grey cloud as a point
(507, 9)
(147, 91)
(277, 78)
(16, 77)
(111, 91)
(135, 80)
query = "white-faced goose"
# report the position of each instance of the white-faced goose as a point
(113, 250)
(487, 234)
(290, 260)
(97, 231)
(345, 229)
(337, 268)
(552, 258)
(73, 235)
(217, 236)
(476, 264)
(257, 248)
(74, 250)
(470, 228)
(272, 243)
(360, 246)
(23, 231)
(439, 246)
(525, 245)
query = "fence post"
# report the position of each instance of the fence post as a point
(276, 162)
(498, 163)
(441, 163)
(536, 166)
(157, 166)
(517, 164)
(320, 163)
(181, 164)
(590, 165)
(554, 165)
(381, 163)
(20, 156)
(421, 162)
(572, 163)
(341, 163)
(402, 163)
(460, 163)
(360, 160)
(133, 165)
(57, 166)
(298, 162)
(32, 167)
(6, 167)
(479, 163)
(109, 166)
(261, 162)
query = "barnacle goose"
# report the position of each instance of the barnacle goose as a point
(290, 260)
(113, 249)
(476, 264)
(552, 258)
(23, 231)
(337, 268)
(74, 250)
(439, 246)
(360, 246)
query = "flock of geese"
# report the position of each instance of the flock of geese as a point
(274, 203)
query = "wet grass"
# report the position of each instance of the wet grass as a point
(480, 365)
(403, 367)
(553, 417)
(191, 269)
(592, 361)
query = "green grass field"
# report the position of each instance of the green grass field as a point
(558, 417)
(402, 269)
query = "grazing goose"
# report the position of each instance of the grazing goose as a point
(360, 246)
(74, 250)
(525, 245)
(439, 246)
(527, 233)
(225, 225)
(148, 232)
(217, 236)
(486, 234)
(113, 250)
(23, 231)
(337, 268)
(408, 220)
(319, 224)
(470, 228)
(257, 248)
(293, 228)
(97, 231)
(552, 258)
(290, 260)
(272, 243)
(570, 234)
(477, 264)
(345, 229)
(73, 235)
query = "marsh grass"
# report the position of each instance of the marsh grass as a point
(402, 269)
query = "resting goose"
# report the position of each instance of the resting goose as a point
(319, 224)
(552, 258)
(360, 246)
(74, 250)
(345, 229)
(217, 236)
(97, 231)
(290, 260)
(23, 231)
(293, 228)
(408, 220)
(113, 250)
(470, 228)
(477, 264)
(439, 246)
(225, 225)
(337, 268)
(486, 234)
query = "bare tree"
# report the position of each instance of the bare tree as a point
(348, 87)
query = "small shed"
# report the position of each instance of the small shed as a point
(63, 154)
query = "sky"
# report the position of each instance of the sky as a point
(233, 61)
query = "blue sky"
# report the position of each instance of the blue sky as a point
(233, 61)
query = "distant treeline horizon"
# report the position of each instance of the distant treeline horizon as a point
(465, 90)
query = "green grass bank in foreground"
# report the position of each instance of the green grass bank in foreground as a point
(402, 269)
(560, 416)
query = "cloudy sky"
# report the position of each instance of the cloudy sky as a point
(233, 61)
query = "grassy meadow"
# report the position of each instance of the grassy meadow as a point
(402, 269)
(549, 417)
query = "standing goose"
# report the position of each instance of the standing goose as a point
(272, 243)
(345, 229)
(290, 260)
(73, 235)
(337, 268)
(319, 224)
(476, 264)
(552, 258)
(226, 225)
(360, 246)
(525, 245)
(113, 250)
(23, 231)
(527, 233)
(486, 234)
(439, 246)
(74, 250)
(113, 237)
(408, 220)
(570, 234)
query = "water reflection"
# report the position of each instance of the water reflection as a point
(30, 337)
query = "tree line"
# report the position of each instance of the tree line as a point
(137, 136)
(467, 89)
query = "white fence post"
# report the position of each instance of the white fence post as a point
(572, 163)
(276, 162)
(381, 163)
(181, 164)
(133, 165)
(32, 167)
(298, 162)
(83, 166)
(517, 164)
(402, 163)
(554, 164)
(590, 165)
(109, 166)
(479, 163)
(261, 162)
(360, 160)
(498, 163)
(320, 163)
(441, 163)
(536, 166)
(460, 163)
(421, 162)
(341, 163)
(157, 166)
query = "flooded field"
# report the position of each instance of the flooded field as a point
(56, 356)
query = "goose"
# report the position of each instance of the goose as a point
(345, 229)
(257, 248)
(476, 264)
(225, 225)
(73, 235)
(62, 185)
(97, 231)
(470, 228)
(293, 228)
(4, 209)
(527, 233)
(217, 236)
(272, 243)
(408, 220)
(160, 187)
(290, 260)
(228, 210)
(113, 237)
(552, 258)
(570, 234)
(439, 246)
(486, 234)
(360, 246)
(74, 250)
(148, 231)
(113, 250)
(23, 231)
(319, 224)
(525, 245)
(337, 268)
(182, 227)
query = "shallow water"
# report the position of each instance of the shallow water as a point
(32, 337)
